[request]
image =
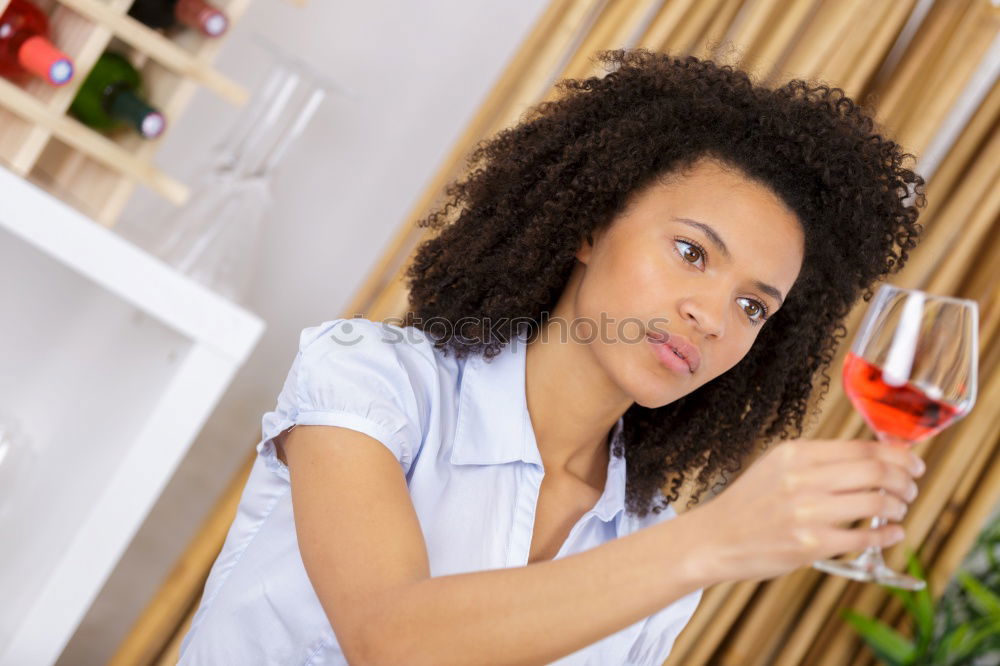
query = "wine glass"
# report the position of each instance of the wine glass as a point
(910, 372)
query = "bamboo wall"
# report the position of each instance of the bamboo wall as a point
(933, 66)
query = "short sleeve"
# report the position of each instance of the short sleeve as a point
(352, 373)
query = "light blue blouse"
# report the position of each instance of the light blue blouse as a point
(462, 434)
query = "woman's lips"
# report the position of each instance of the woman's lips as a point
(680, 346)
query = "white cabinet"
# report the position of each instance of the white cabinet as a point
(112, 362)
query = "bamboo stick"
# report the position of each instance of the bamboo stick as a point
(816, 42)
(684, 38)
(919, 55)
(716, 630)
(964, 151)
(948, 71)
(613, 29)
(887, 20)
(712, 600)
(556, 51)
(789, 22)
(172, 651)
(863, 21)
(717, 611)
(963, 207)
(758, 20)
(713, 41)
(981, 505)
(665, 22)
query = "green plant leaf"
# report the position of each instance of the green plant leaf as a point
(888, 644)
(923, 604)
(953, 645)
(983, 632)
(985, 601)
(969, 640)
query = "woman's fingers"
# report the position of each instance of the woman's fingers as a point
(826, 451)
(822, 509)
(858, 475)
(840, 541)
(794, 505)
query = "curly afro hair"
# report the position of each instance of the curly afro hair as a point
(534, 191)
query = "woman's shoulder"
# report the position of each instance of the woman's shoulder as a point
(358, 355)
(374, 377)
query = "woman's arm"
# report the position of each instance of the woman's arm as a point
(363, 549)
(364, 552)
(537, 613)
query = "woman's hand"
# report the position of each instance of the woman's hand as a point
(784, 511)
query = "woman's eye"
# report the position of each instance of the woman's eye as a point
(693, 253)
(755, 310)
(689, 252)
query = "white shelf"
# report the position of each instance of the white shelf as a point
(112, 362)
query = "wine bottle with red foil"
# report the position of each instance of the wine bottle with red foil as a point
(198, 14)
(25, 47)
(111, 97)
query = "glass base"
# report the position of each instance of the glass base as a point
(870, 567)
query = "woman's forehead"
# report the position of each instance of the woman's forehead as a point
(740, 220)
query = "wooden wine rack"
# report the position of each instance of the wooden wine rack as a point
(95, 172)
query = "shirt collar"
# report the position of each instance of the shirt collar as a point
(494, 426)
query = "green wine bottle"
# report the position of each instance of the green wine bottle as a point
(111, 97)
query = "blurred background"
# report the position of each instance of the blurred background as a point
(157, 283)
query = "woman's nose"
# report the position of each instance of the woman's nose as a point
(706, 313)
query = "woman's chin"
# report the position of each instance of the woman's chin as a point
(657, 399)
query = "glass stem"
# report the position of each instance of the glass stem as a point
(871, 558)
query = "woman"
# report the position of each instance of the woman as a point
(641, 281)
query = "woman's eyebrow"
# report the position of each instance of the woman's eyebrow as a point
(721, 245)
(770, 291)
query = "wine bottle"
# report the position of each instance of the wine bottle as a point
(197, 14)
(111, 97)
(25, 46)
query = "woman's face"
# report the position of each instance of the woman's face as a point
(703, 258)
